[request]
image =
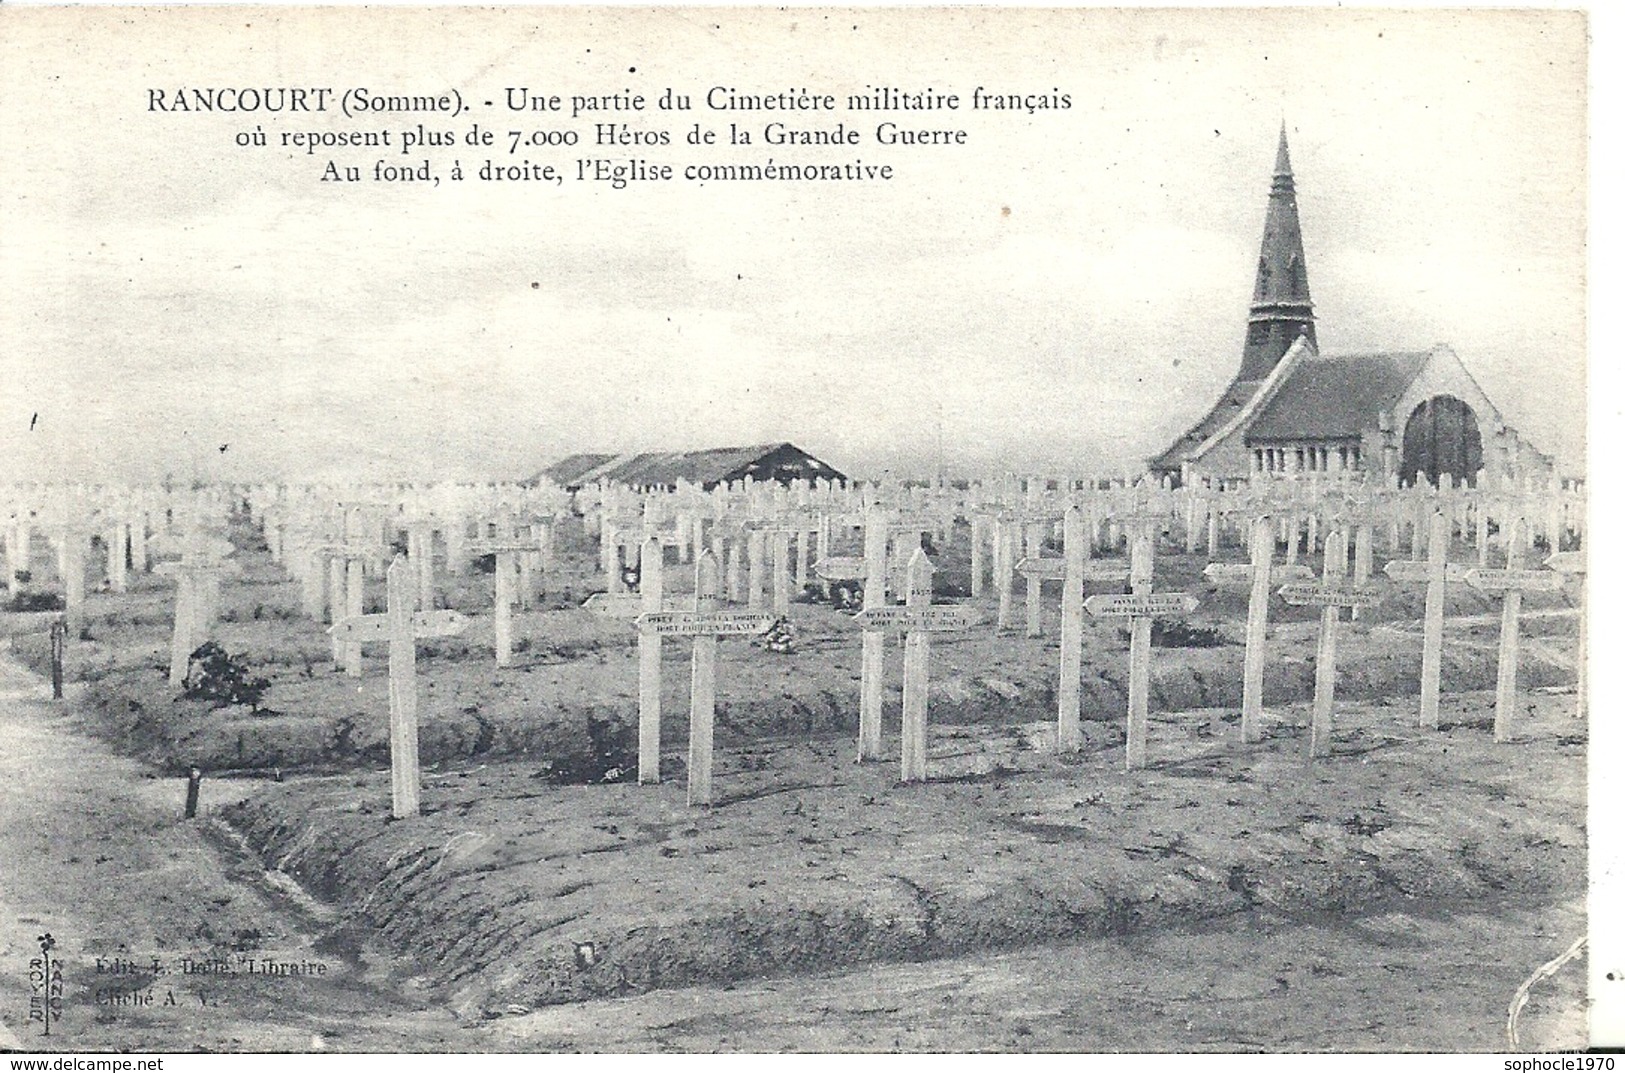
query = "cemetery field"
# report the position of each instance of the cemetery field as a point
(540, 873)
(569, 699)
(510, 895)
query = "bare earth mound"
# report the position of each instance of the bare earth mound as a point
(515, 894)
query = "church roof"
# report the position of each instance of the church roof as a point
(1335, 397)
(1234, 398)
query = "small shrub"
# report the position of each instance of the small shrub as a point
(35, 601)
(222, 679)
(1174, 633)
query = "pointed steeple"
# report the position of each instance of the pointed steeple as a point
(1281, 310)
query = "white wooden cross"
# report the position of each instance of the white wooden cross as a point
(1435, 571)
(871, 687)
(772, 540)
(347, 580)
(1510, 582)
(790, 525)
(401, 627)
(72, 542)
(1022, 532)
(872, 569)
(1078, 569)
(1140, 608)
(705, 624)
(197, 575)
(1573, 563)
(630, 606)
(903, 531)
(1035, 571)
(917, 620)
(1331, 593)
(507, 554)
(1260, 574)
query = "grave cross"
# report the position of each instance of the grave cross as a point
(651, 593)
(705, 624)
(401, 627)
(1261, 573)
(1330, 594)
(871, 688)
(1436, 571)
(72, 542)
(1037, 570)
(1140, 608)
(1078, 569)
(777, 535)
(1510, 582)
(197, 576)
(347, 565)
(917, 620)
(507, 554)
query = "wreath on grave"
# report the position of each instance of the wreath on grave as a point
(780, 637)
(222, 679)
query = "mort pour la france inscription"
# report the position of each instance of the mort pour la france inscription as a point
(715, 133)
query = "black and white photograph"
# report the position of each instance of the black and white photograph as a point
(880, 530)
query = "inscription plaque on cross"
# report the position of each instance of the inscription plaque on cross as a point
(1510, 583)
(1140, 607)
(1331, 593)
(402, 627)
(917, 620)
(705, 624)
(1259, 575)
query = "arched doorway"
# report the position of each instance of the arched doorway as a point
(1441, 436)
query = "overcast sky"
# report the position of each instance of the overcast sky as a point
(1067, 291)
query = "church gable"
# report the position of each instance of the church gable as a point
(1444, 374)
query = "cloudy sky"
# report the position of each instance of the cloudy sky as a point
(1067, 290)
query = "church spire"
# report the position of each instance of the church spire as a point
(1281, 310)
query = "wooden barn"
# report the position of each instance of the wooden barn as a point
(782, 462)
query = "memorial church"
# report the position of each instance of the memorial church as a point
(1291, 410)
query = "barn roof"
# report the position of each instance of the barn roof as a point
(1335, 397)
(572, 468)
(706, 467)
(698, 467)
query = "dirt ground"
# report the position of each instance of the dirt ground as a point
(1390, 897)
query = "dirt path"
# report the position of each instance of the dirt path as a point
(93, 851)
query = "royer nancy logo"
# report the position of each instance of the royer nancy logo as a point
(45, 985)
